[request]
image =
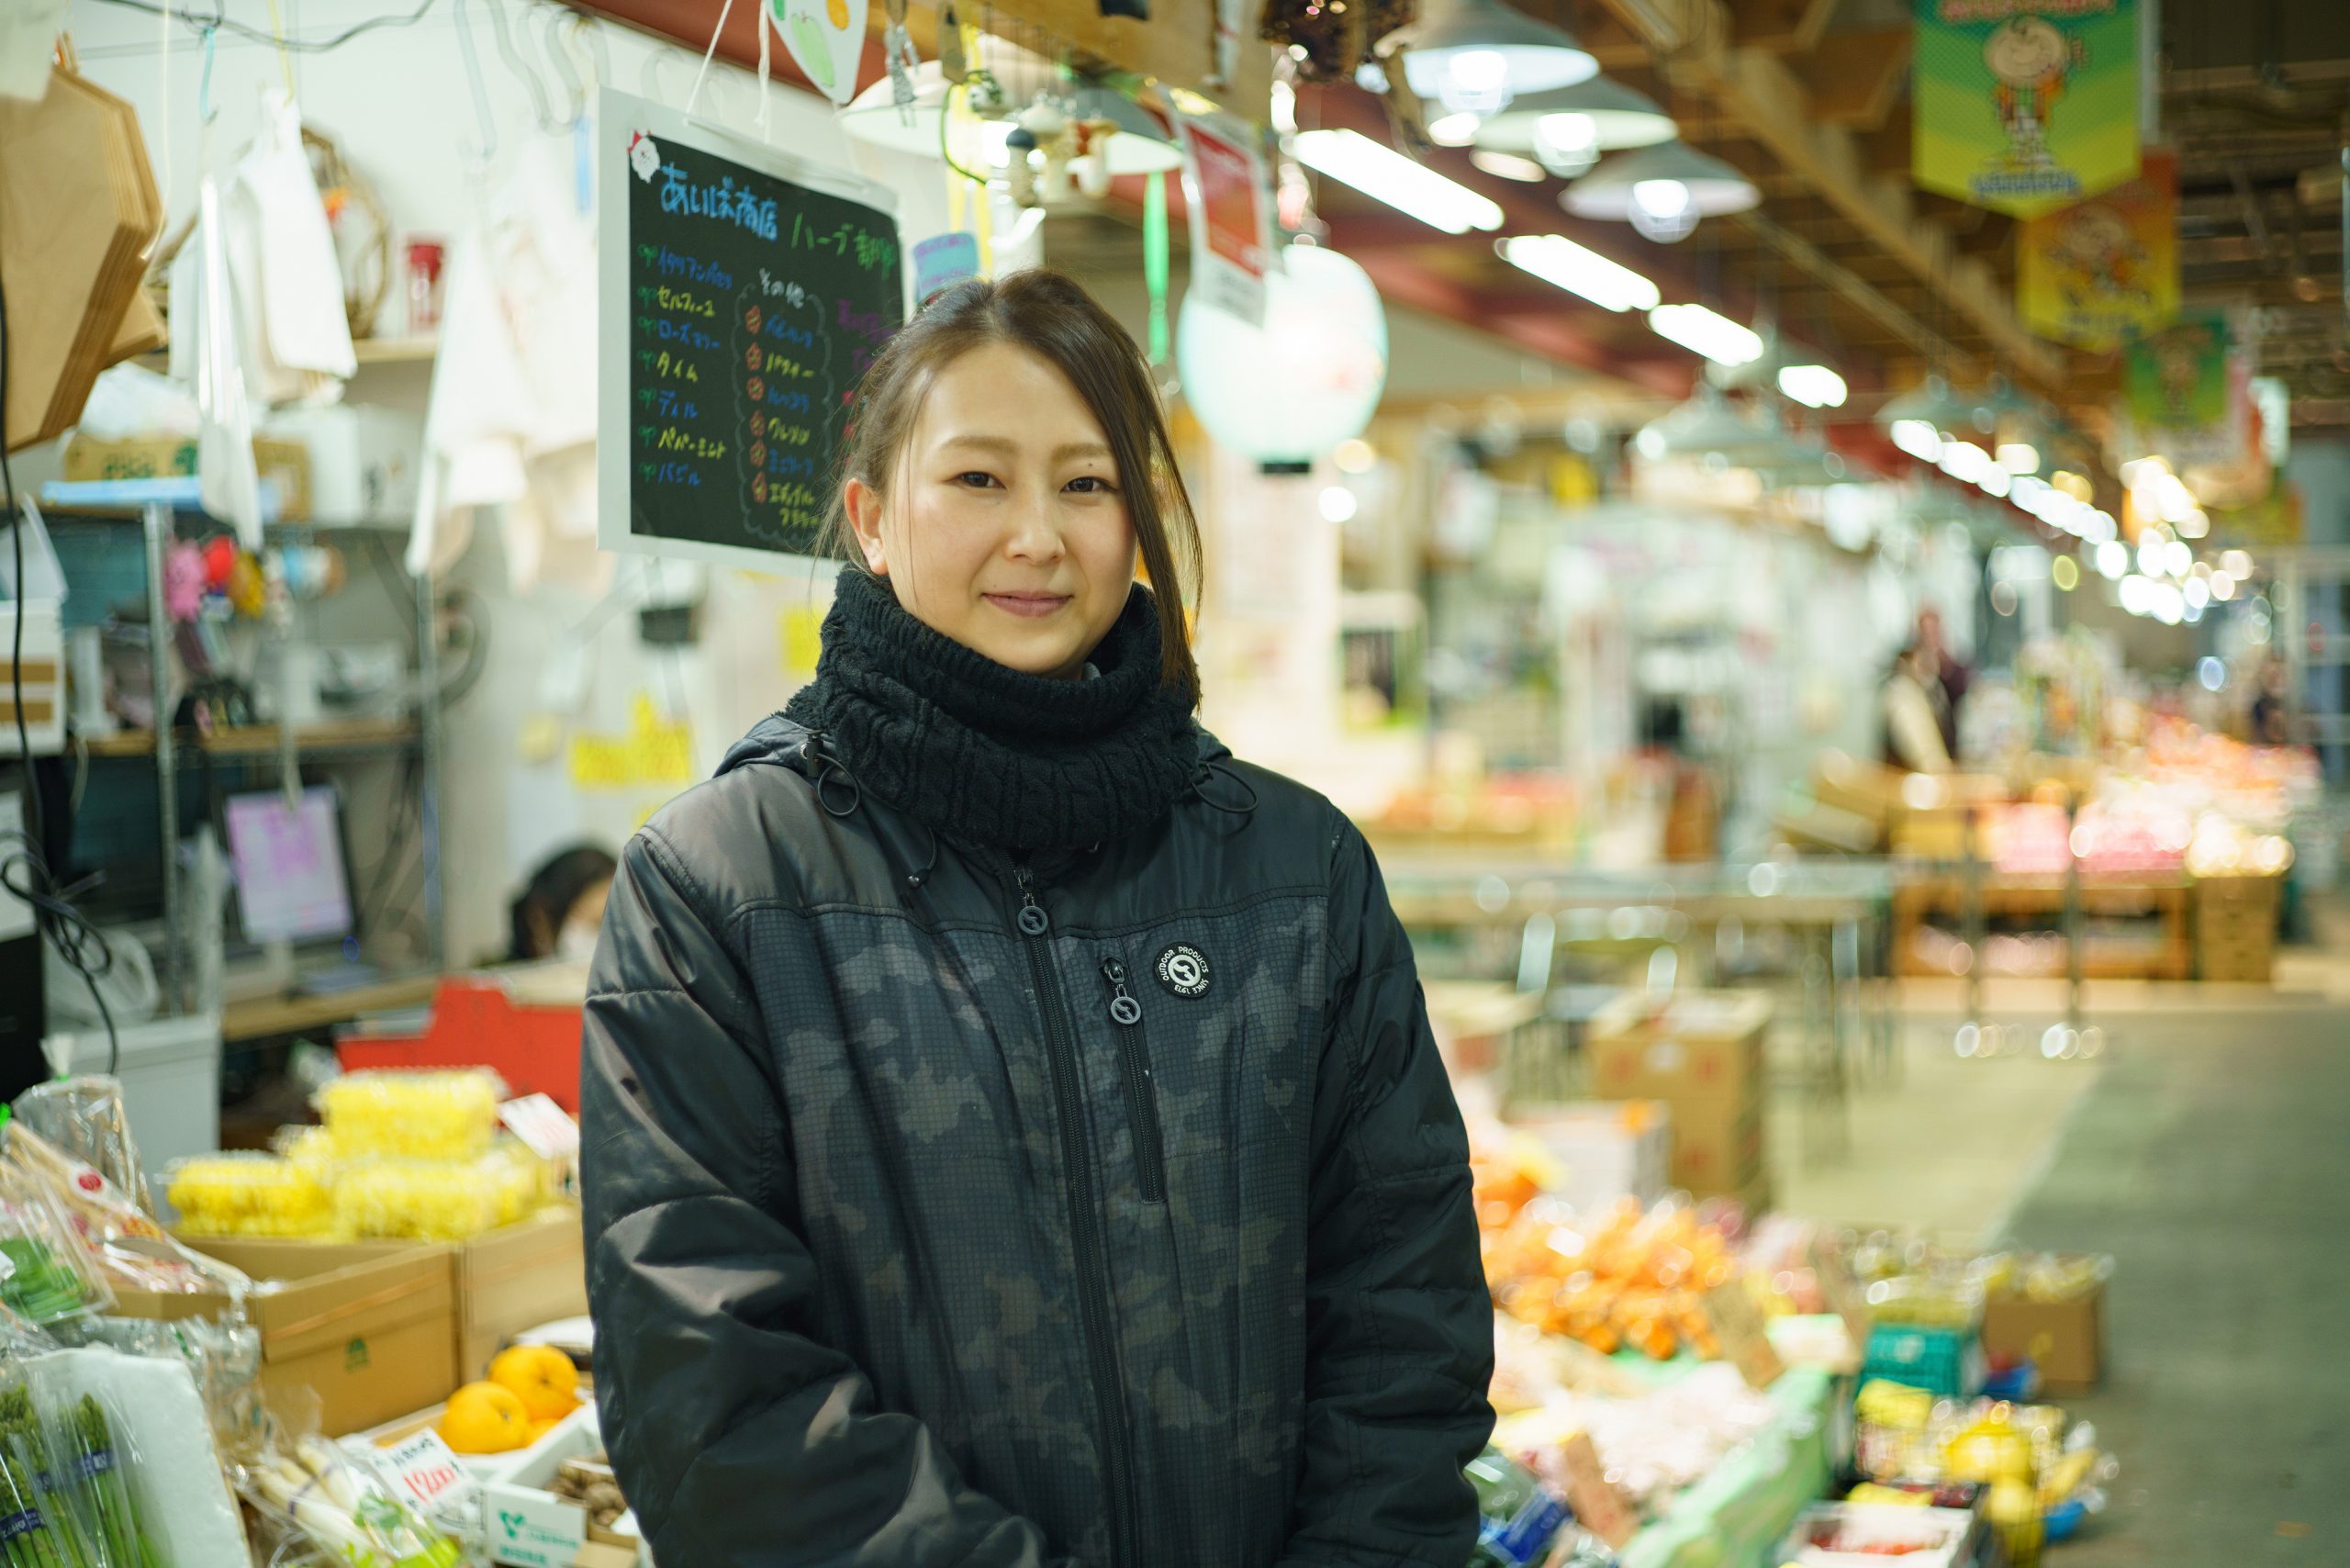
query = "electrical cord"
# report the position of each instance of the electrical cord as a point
(25, 873)
(219, 21)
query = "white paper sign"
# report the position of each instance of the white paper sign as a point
(426, 1468)
(543, 1125)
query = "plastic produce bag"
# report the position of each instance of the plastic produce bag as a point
(315, 1494)
(83, 1118)
(121, 1240)
(134, 1476)
(49, 1276)
(414, 1114)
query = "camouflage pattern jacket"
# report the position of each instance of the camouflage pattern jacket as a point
(1107, 1208)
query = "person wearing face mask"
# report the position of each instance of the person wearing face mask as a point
(561, 911)
(1012, 1135)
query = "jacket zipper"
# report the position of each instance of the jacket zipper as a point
(1084, 1221)
(1142, 1089)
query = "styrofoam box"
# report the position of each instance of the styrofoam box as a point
(171, 1084)
(1609, 1149)
(529, 1527)
(1935, 1537)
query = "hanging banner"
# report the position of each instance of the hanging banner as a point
(2186, 389)
(825, 38)
(1225, 186)
(2104, 271)
(2024, 105)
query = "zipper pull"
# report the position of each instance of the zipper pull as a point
(1124, 1010)
(1034, 921)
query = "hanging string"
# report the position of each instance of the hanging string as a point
(163, 96)
(762, 26)
(285, 58)
(702, 75)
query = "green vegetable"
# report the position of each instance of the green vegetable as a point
(26, 1533)
(38, 1285)
(125, 1544)
(20, 1431)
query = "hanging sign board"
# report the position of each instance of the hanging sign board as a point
(2188, 389)
(2106, 270)
(743, 295)
(1232, 236)
(827, 39)
(2024, 105)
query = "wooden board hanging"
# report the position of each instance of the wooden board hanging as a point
(78, 211)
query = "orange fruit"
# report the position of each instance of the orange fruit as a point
(540, 1429)
(482, 1417)
(542, 1377)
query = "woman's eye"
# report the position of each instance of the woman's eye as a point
(1090, 485)
(976, 480)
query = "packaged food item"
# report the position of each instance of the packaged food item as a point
(250, 1195)
(119, 1235)
(83, 1120)
(431, 1114)
(428, 1200)
(48, 1277)
(1521, 1520)
(317, 1496)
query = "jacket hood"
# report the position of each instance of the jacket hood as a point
(773, 739)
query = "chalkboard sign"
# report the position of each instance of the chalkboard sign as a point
(743, 293)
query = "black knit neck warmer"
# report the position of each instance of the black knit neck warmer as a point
(978, 752)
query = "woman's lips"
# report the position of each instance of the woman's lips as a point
(1032, 605)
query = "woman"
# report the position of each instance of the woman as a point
(1011, 1131)
(1913, 709)
(561, 911)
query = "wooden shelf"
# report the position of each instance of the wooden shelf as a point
(262, 740)
(268, 1015)
(396, 351)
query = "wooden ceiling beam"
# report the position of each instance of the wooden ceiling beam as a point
(1855, 78)
(1766, 98)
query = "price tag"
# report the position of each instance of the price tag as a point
(427, 1467)
(1842, 1294)
(543, 1125)
(1746, 1342)
(1598, 1502)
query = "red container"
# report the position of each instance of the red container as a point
(533, 1046)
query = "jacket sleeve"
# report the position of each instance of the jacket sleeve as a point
(740, 1439)
(1399, 1326)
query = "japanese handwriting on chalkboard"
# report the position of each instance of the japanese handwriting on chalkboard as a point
(684, 474)
(672, 264)
(872, 251)
(781, 288)
(722, 201)
(663, 366)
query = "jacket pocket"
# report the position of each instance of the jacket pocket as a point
(1141, 1088)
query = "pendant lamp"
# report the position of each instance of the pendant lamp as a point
(1285, 392)
(1704, 427)
(1479, 55)
(1568, 128)
(1661, 191)
(1140, 147)
(1927, 417)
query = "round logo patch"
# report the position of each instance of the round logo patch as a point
(1183, 969)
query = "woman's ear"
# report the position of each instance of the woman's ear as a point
(863, 504)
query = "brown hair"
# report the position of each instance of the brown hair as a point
(1052, 315)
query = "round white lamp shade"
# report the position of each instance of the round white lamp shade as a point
(1309, 378)
(1480, 54)
(1660, 190)
(1612, 116)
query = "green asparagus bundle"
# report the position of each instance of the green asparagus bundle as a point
(28, 1536)
(49, 1492)
(99, 1465)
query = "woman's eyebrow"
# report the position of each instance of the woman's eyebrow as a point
(1066, 453)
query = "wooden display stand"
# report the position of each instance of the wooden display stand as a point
(2235, 928)
(2043, 898)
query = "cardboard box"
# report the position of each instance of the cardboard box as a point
(1605, 1150)
(1717, 1145)
(286, 463)
(517, 1278)
(530, 1527)
(2065, 1338)
(1702, 1045)
(371, 1327)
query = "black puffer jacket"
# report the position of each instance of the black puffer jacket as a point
(1109, 1206)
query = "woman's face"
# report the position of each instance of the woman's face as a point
(1005, 526)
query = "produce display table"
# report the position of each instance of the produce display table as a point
(1738, 1515)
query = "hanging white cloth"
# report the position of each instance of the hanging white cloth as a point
(282, 258)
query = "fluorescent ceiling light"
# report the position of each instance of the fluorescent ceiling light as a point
(1618, 118)
(1454, 130)
(2112, 559)
(2237, 563)
(2019, 457)
(1355, 159)
(2178, 557)
(1995, 481)
(1509, 166)
(1481, 54)
(1813, 385)
(1918, 438)
(1716, 337)
(1556, 259)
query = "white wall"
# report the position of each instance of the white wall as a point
(398, 101)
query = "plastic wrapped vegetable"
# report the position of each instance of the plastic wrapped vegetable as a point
(251, 1194)
(98, 1462)
(122, 1240)
(84, 1119)
(52, 1489)
(413, 1114)
(319, 1496)
(50, 1277)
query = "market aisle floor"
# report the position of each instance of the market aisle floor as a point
(2211, 1159)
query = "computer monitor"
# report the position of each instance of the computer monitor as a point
(292, 884)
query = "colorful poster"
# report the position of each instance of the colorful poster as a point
(2106, 270)
(2186, 389)
(1226, 188)
(2024, 105)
